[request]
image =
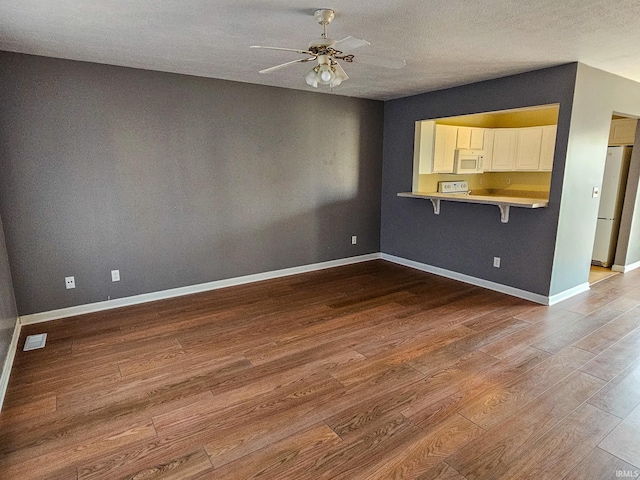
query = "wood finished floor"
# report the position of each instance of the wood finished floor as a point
(369, 371)
(597, 273)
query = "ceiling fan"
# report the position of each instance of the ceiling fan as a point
(327, 52)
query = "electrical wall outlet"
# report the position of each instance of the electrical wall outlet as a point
(115, 275)
(354, 239)
(595, 192)
(70, 282)
(496, 262)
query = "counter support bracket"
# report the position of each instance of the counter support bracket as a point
(436, 205)
(504, 213)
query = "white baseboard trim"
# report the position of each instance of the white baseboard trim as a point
(479, 282)
(178, 292)
(498, 287)
(625, 268)
(230, 282)
(8, 361)
(559, 297)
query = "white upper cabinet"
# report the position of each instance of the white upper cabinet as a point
(470, 138)
(477, 139)
(528, 149)
(423, 147)
(548, 147)
(445, 148)
(464, 137)
(523, 149)
(505, 142)
(488, 148)
(434, 147)
(623, 131)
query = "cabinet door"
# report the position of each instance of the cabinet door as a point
(623, 131)
(505, 141)
(445, 148)
(548, 147)
(464, 137)
(477, 139)
(423, 148)
(488, 148)
(470, 138)
(528, 151)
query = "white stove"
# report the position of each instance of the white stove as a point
(461, 187)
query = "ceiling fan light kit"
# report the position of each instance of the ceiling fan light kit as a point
(326, 52)
(326, 73)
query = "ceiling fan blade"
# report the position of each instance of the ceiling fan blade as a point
(341, 71)
(387, 62)
(282, 65)
(350, 43)
(284, 49)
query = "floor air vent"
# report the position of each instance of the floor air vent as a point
(34, 342)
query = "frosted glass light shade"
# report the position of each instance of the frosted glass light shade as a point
(325, 73)
(311, 78)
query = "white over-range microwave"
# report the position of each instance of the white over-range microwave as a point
(469, 161)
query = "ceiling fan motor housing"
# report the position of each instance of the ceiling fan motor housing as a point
(324, 15)
(322, 46)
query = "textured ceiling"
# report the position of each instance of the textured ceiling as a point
(444, 42)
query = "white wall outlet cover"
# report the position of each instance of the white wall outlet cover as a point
(596, 192)
(70, 282)
(496, 262)
(115, 275)
(33, 342)
(354, 239)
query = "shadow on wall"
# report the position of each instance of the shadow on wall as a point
(320, 235)
(344, 201)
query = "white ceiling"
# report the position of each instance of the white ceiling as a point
(444, 42)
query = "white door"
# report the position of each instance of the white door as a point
(445, 148)
(548, 147)
(470, 138)
(464, 138)
(488, 149)
(505, 141)
(528, 152)
(477, 139)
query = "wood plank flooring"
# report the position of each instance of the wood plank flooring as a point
(597, 273)
(369, 371)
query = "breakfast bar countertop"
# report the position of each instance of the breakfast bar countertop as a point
(503, 202)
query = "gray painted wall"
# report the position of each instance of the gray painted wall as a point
(8, 311)
(175, 180)
(598, 95)
(464, 238)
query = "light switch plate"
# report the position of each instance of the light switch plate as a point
(596, 192)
